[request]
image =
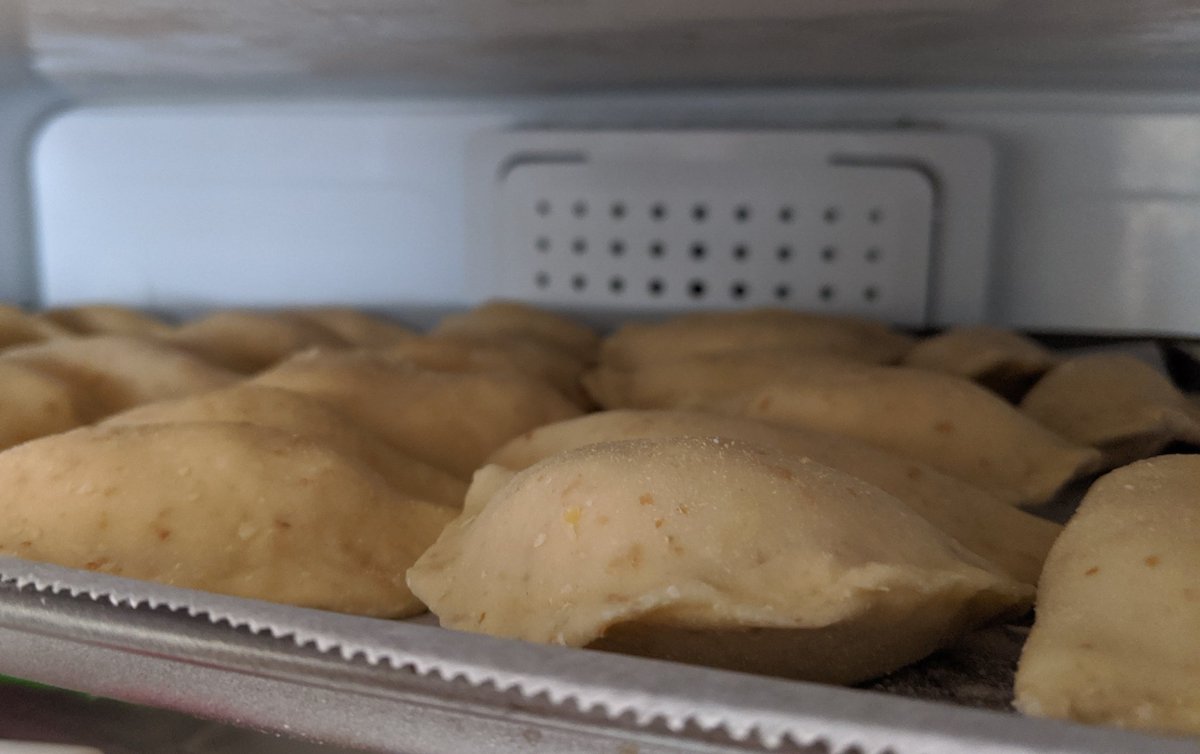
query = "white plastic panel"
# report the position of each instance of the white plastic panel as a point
(193, 207)
(925, 258)
(671, 235)
(1094, 205)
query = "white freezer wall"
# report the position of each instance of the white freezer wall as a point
(1097, 220)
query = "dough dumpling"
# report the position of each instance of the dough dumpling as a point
(230, 508)
(33, 404)
(1001, 360)
(105, 319)
(505, 354)
(950, 423)
(712, 552)
(355, 327)
(713, 332)
(304, 416)
(248, 342)
(701, 379)
(1014, 540)
(17, 328)
(1117, 637)
(1116, 403)
(451, 420)
(110, 373)
(509, 318)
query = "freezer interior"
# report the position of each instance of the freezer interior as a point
(923, 163)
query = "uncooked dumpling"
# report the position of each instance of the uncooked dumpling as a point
(713, 332)
(33, 404)
(305, 416)
(713, 552)
(230, 508)
(509, 318)
(248, 342)
(699, 380)
(1014, 540)
(355, 327)
(451, 420)
(1001, 360)
(950, 423)
(17, 328)
(1117, 637)
(504, 353)
(110, 373)
(106, 319)
(1116, 403)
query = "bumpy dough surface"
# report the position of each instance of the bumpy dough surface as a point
(110, 373)
(305, 416)
(700, 379)
(502, 353)
(509, 318)
(1014, 540)
(248, 342)
(1116, 403)
(950, 423)
(1117, 637)
(451, 420)
(230, 508)
(356, 327)
(33, 404)
(712, 332)
(713, 552)
(17, 328)
(1001, 360)
(106, 319)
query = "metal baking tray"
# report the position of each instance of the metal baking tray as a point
(414, 687)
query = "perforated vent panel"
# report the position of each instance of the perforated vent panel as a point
(821, 237)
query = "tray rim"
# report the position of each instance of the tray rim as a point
(263, 654)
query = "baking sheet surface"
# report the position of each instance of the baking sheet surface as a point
(630, 695)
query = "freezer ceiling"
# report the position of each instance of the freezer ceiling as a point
(549, 45)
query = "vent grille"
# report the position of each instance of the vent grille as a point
(844, 239)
